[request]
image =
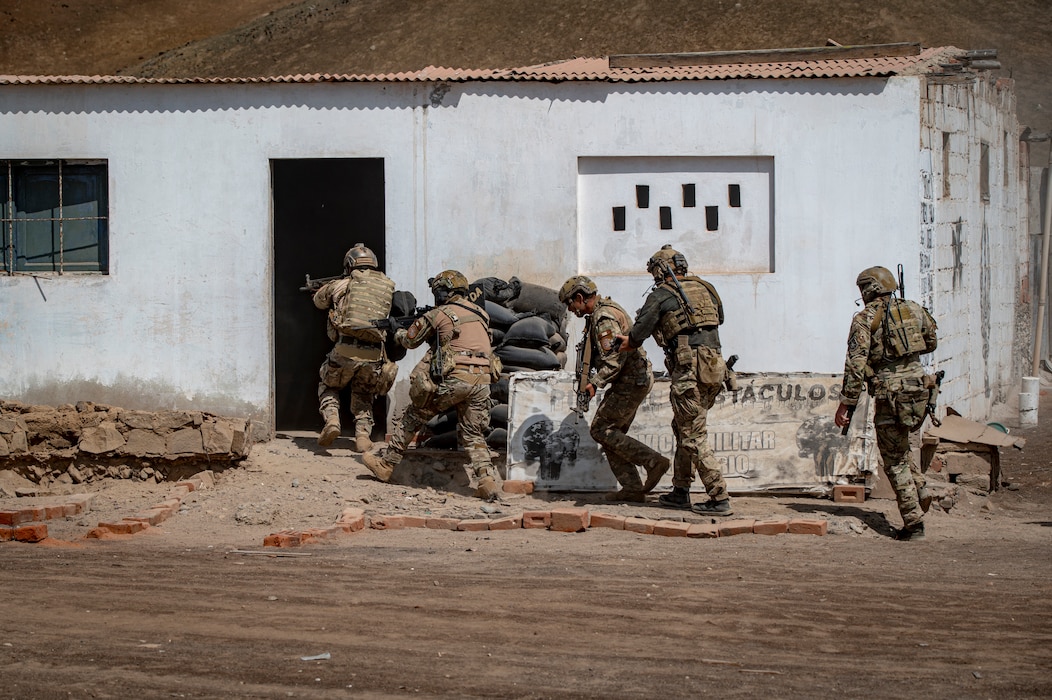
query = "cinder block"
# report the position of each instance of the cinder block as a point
(516, 486)
(30, 532)
(670, 528)
(473, 525)
(569, 519)
(771, 527)
(441, 523)
(802, 526)
(536, 519)
(735, 527)
(511, 522)
(703, 530)
(641, 525)
(387, 522)
(849, 493)
(614, 522)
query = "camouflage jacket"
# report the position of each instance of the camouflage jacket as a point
(607, 320)
(867, 366)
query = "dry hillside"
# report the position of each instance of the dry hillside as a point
(274, 37)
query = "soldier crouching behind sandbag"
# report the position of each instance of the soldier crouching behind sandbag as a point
(358, 358)
(455, 372)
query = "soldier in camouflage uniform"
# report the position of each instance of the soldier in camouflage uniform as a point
(358, 358)
(887, 339)
(629, 376)
(688, 330)
(455, 372)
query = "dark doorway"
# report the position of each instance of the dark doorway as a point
(322, 207)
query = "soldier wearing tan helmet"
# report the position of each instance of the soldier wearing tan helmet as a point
(455, 373)
(683, 314)
(887, 338)
(629, 377)
(358, 358)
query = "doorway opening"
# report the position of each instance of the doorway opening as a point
(322, 207)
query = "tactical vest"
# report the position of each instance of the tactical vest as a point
(705, 314)
(902, 323)
(469, 343)
(362, 297)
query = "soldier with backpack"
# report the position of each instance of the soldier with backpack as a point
(358, 358)
(887, 338)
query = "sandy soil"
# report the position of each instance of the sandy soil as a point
(195, 608)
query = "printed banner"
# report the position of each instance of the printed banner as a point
(774, 434)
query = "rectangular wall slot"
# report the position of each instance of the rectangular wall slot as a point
(619, 218)
(734, 195)
(689, 196)
(712, 218)
(643, 196)
(665, 217)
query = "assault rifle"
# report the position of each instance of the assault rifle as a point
(933, 383)
(393, 323)
(313, 285)
(669, 272)
(584, 371)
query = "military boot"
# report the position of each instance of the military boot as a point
(712, 507)
(380, 467)
(655, 471)
(330, 432)
(679, 497)
(487, 489)
(627, 495)
(911, 533)
(362, 443)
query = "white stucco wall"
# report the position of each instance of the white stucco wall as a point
(482, 177)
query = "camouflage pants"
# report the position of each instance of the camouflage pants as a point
(691, 401)
(610, 426)
(470, 396)
(893, 442)
(367, 379)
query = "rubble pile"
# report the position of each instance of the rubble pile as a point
(80, 443)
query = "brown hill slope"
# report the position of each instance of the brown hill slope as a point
(274, 37)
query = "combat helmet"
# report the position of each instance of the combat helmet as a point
(666, 257)
(360, 256)
(577, 284)
(874, 282)
(450, 280)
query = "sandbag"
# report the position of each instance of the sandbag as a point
(443, 441)
(533, 358)
(498, 336)
(500, 316)
(403, 303)
(557, 343)
(498, 415)
(540, 300)
(442, 423)
(530, 332)
(498, 390)
(497, 438)
(497, 290)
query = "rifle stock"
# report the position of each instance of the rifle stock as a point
(584, 370)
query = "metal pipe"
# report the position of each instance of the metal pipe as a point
(1042, 298)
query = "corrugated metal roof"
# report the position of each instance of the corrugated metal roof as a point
(576, 69)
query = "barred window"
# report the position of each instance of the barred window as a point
(54, 216)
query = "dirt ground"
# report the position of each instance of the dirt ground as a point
(197, 608)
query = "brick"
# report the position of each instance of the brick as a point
(441, 523)
(352, 520)
(172, 504)
(350, 514)
(517, 486)
(55, 512)
(670, 528)
(536, 519)
(511, 522)
(803, 526)
(286, 538)
(32, 514)
(153, 516)
(29, 532)
(71, 509)
(7, 532)
(123, 527)
(414, 521)
(771, 527)
(703, 530)
(735, 527)
(641, 525)
(10, 517)
(614, 522)
(569, 520)
(473, 525)
(180, 491)
(316, 534)
(387, 522)
(189, 484)
(849, 493)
